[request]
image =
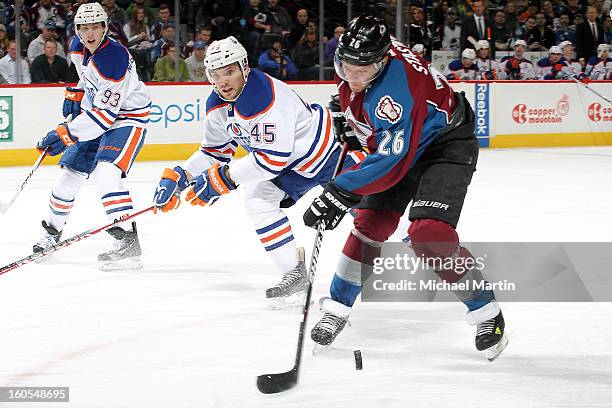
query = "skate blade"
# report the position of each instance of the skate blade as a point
(293, 301)
(121, 265)
(318, 349)
(493, 352)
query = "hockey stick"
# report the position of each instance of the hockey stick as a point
(4, 207)
(38, 255)
(589, 88)
(273, 383)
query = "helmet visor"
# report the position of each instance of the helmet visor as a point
(357, 73)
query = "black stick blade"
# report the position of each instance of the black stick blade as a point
(273, 383)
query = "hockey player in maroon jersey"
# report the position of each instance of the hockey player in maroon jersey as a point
(422, 148)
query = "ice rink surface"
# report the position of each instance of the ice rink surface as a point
(192, 330)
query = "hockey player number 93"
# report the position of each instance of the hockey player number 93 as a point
(111, 98)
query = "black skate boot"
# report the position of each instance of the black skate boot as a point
(490, 336)
(291, 290)
(125, 253)
(335, 317)
(50, 237)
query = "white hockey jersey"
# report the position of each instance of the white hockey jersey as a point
(114, 95)
(599, 69)
(526, 69)
(280, 131)
(456, 70)
(486, 65)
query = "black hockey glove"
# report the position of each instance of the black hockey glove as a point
(330, 207)
(342, 130)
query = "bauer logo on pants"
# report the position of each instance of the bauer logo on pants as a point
(6, 118)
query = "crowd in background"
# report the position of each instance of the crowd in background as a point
(282, 36)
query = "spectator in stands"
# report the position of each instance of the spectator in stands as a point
(114, 12)
(45, 10)
(37, 46)
(164, 67)
(439, 13)
(258, 22)
(549, 12)
(330, 47)
(163, 19)
(511, 15)
(449, 34)
(571, 7)
(563, 31)
(420, 30)
(8, 66)
(49, 67)
(140, 3)
(204, 35)
(588, 35)
(531, 11)
(531, 35)
(306, 54)
(27, 29)
(501, 32)
(137, 31)
(160, 47)
(3, 41)
(474, 26)
(276, 62)
(297, 28)
(607, 27)
(280, 17)
(195, 63)
(544, 35)
(218, 14)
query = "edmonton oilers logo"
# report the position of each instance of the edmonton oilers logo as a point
(234, 129)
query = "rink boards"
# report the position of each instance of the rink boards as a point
(508, 114)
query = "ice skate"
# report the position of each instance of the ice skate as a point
(291, 290)
(490, 335)
(335, 318)
(126, 252)
(49, 238)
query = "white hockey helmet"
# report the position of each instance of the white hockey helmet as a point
(482, 44)
(90, 13)
(418, 48)
(564, 44)
(555, 50)
(222, 53)
(601, 48)
(520, 42)
(468, 53)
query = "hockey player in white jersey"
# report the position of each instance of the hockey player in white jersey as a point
(553, 66)
(572, 67)
(290, 146)
(517, 66)
(464, 68)
(487, 68)
(600, 67)
(109, 110)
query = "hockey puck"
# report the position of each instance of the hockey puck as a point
(358, 361)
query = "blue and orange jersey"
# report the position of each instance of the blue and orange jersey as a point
(114, 95)
(397, 117)
(273, 124)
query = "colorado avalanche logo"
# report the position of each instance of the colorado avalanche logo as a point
(234, 129)
(388, 109)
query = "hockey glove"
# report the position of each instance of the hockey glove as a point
(490, 75)
(330, 207)
(344, 133)
(56, 140)
(72, 102)
(210, 185)
(168, 192)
